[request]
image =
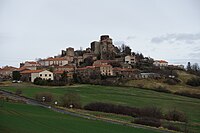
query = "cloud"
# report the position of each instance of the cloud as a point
(130, 37)
(119, 43)
(195, 55)
(176, 38)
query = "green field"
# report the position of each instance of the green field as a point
(22, 118)
(120, 95)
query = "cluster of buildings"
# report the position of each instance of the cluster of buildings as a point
(102, 53)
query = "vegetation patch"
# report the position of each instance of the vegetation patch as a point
(44, 97)
(193, 82)
(148, 121)
(176, 115)
(70, 100)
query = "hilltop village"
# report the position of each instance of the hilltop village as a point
(102, 62)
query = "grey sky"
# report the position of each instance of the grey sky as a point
(162, 29)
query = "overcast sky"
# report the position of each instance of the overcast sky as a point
(162, 29)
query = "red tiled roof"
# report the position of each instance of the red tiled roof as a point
(22, 68)
(102, 65)
(87, 67)
(31, 62)
(8, 68)
(82, 68)
(68, 66)
(54, 59)
(161, 61)
(91, 67)
(31, 71)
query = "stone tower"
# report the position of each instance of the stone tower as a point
(70, 51)
(104, 48)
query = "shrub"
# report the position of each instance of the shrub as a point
(148, 121)
(18, 92)
(153, 112)
(111, 108)
(193, 82)
(175, 115)
(71, 99)
(44, 97)
(172, 127)
(172, 81)
(162, 89)
(40, 81)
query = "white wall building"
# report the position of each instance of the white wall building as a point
(53, 62)
(130, 59)
(160, 63)
(44, 74)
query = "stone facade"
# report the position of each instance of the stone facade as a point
(70, 51)
(54, 62)
(31, 75)
(104, 48)
(130, 59)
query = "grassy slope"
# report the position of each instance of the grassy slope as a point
(151, 83)
(122, 95)
(15, 117)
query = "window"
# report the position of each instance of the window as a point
(40, 75)
(45, 75)
(49, 75)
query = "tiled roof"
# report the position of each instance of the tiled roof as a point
(161, 61)
(31, 62)
(68, 66)
(31, 71)
(58, 72)
(8, 68)
(22, 68)
(54, 59)
(87, 67)
(102, 65)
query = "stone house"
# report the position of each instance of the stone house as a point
(31, 75)
(149, 75)
(130, 59)
(64, 68)
(105, 69)
(58, 74)
(160, 63)
(103, 62)
(128, 73)
(6, 71)
(53, 62)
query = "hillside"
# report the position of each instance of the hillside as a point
(180, 87)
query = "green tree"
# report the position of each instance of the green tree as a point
(71, 100)
(188, 66)
(195, 67)
(64, 76)
(16, 75)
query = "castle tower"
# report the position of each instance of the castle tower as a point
(70, 51)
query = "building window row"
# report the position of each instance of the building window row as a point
(45, 75)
